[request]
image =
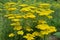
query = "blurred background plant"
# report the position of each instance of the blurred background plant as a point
(29, 19)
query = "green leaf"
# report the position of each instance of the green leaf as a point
(57, 34)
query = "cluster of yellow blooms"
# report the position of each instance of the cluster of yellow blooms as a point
(30, 12)
(45, 28)
(10, 6)
(15, 18)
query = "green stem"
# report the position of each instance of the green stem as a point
(45, 38)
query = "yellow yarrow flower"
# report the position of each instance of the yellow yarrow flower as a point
(35, 33)
(11, 35)
(11, 17)
(42, 26)
(12, 9)
(49, 30)
(17, 28)
(29, 29)
(13, 24)
(18, 16)
(44, 32)
(49, 17)
(25, 9)
(20, 32)
(52, 29)
(8, 15)
(9, 4)
(29, 36)
(46, 13)
(29, 15)
(44, 5)
(15, 20)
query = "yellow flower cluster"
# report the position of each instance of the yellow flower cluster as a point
(11, 35)
(12, 9)
(29, 15)
(28, 28)
(17, 28)
(42, 26)
(10, 6)
(44, 10)
(44, 5)
(28, 9)
(29, 36)
(48, 12)
(40, 9)
(15, 18)
(20, 32)
(45, 28)
(32, 12)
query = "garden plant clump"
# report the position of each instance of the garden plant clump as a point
(28, 21)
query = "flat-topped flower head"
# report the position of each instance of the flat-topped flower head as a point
(44, 5)
(42, 26)
(20, 32)
(11, 35)
(17, 28)
(28, 29)
(12, 9)
(29, 36)
(52, 29)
